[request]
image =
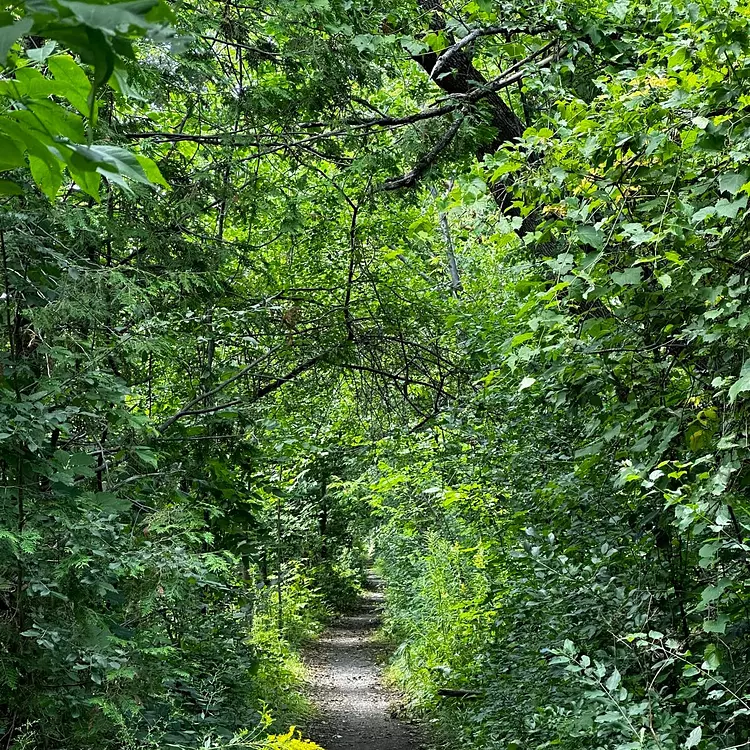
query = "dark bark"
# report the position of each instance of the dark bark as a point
(460, 77)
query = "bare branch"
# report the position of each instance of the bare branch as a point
(450, 53)
(238, 45)
(224, 383)
(410, 179)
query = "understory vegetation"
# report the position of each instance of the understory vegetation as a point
(457, 289)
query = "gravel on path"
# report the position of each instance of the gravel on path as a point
(354, 709)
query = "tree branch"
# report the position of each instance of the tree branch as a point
(410, 179)
(394, 376)
(224, 383)
(450, 53)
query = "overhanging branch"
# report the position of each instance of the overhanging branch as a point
(410, 179)
(186, 410)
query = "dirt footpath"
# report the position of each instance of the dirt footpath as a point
(354, 709)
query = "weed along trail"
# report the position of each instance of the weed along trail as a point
(353, 708)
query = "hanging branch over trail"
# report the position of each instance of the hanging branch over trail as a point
(411, 178)
(454, 72)
(274, 385)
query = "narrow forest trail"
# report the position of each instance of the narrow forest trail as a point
(353, 707)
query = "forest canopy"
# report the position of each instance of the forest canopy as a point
(459, 289)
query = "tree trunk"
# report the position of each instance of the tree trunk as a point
(461, 77)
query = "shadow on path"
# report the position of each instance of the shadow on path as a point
(354, 711)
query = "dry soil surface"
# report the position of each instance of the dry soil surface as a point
(354, 709)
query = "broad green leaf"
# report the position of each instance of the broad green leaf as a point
(40, 54)
(716, 626)
(48, 121)
(88, 181)
(413, 46)
(152, 172)
(619, 9)
(47, 175)
(637, 234)
(732, 182)
(729, 209)
(94, 48)
(366, 42)
(11, 155)
(628, 277)
(613, 681)
(591, 236)
(562, 263)
(73, 82)
(115, 164)
(677, 58)
(742, 384)
(712, 593)
(707, 553)
(8, 187)
(109, 503)
(694, 738)
(10, 33)
(33, 84)
(711, 658)
(146, 455)
(527, 382)
(702, 214)
(113, 17)
(120, 82)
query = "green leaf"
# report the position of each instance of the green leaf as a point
(152, 172)
(11, 156)
(702, 214)
(146, 455)
(562, 264)
(707, 553)
(526, 383)
(711, 658)
(732, 182)
(729, 209)
(637, 234)
(31, 83)
(110, 504)
(120, 82)
(694, 737)
(48, 121)
(413, 46)
(116, 164)
(628, 277)
(366, 42)
(89, 182)
(40, 54)
(716, 626)
(73, 82)
(591, 236)
(10, 33)
(8, 187)
(619, 9)
(712, 593)
(114, 17)
(47, 175)
(742, 384)
(613, 681)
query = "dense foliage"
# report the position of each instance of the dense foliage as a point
(461, 283)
